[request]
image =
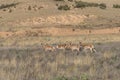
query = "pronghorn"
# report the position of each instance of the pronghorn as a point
(86, 46)
(61, 46)
(48, 47)
(74, 47)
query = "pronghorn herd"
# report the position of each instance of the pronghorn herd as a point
(69, 45)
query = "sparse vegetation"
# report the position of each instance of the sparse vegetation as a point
(102, 6)
(82, 4)
(61, 78)
(84, 77)
(10, 10)
(63, 7)
(34, 63)
(116, 6)
(29, 8)
(8, 5)
(34, 7)
(4, 9)
(30, 33)
(58, 0)
(65, 78)
(22, 32)
(70, 0)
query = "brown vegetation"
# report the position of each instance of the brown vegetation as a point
(35, 63)
(25, 24)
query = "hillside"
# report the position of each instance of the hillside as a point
(46, 12)
(32, 30)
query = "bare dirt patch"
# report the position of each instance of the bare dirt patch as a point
(60, 32)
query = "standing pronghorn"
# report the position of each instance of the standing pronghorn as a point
(61, 46)
(86, 46)
(74, 47)
(48, 47)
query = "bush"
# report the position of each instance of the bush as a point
(84, 77)
(65, 78)
(61, 78)
(102, 6)
(81, 4)
(8, 5)
(70, 0)
(63, 7)
(10, 10)
(116, 6)
(58, 0)
(4, 9)
(29, 8)
(93, 5)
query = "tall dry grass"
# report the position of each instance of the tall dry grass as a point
(35, 64)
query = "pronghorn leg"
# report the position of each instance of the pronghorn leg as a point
(54, 49)
(91, 50)
(94, 50)
(78, 49)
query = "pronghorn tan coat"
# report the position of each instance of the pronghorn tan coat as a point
(86, 46)
(49, 47)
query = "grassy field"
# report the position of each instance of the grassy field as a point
(51, 16)
(36, 64)
(30, 41)
(25, 24)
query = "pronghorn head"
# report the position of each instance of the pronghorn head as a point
(70, 43)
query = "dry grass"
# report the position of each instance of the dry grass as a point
(35, 64)
(84, 60)
(22, 58)
(37, 40)
(108, 55)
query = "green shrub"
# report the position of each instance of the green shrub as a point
(61, 78)
(71, 0)
(102, 6)
(116, 6)
(63, 7)
(84, 77)
(8, 5)
(81, 4)
(58, 0)
(93, 4)
(29, 8)
(65, 78)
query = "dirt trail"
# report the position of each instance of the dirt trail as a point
(71, 31)
(61, 32)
